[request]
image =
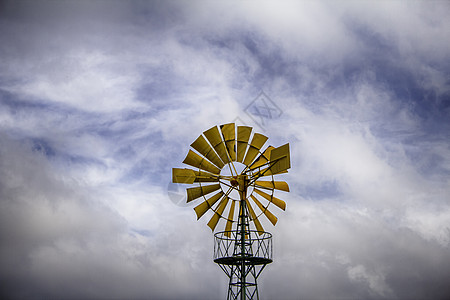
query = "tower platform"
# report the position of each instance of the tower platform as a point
(258, 248)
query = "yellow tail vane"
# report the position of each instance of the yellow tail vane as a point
(280, 159)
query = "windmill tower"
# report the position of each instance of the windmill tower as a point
(235, 179)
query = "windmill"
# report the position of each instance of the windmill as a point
(235, 180)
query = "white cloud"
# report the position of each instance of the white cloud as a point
(83, 80)
(375, 281)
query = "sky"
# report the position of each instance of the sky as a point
(99, 100)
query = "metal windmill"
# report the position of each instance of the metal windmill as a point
(228, 167)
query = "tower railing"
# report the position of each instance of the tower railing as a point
(258, 247)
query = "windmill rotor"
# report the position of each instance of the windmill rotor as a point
(222, 157)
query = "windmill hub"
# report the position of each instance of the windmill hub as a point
(232, 178)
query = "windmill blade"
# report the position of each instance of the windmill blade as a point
(229, 136)
(203, 207)
(262, 159)
(280, 159)
(278, 185)
(257, 142)
(215, 139)
(205, 177)
(195, 160)
(196, 192)
(218, 213)
(183, 176)
(230, 220)
(202, 146)
(254, 218)
(243, 135)
(189, 176)
(201, 176)
(266, 212)
(278, 202)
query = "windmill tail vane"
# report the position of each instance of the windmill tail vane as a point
(235, 180)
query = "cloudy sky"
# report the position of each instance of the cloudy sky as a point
(100, 99)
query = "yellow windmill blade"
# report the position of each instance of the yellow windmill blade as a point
(263, 159)
(195, 160)
(256, 144)
(215, 139)
(183, 176)
(229, 136)
(202, 146)
(243, 135)
(278, 202)
(189, 176)
(218, 213)
(230, 220)
(203, 207)
(196, 192)
(278, 185)
(265, 210)
(254, 218)
(201, 176)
